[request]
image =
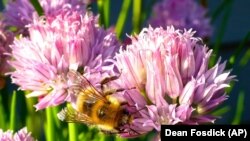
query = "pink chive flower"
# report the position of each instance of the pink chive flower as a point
(174, 84)
(182, 14)
(67, 41)
(50, 6)
(21, 135)
(6, 38)
(20, 13)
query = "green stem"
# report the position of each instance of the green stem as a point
(221, 111)
(136, 18)
(106, 13)
(221, 33)
(237, 52)
(219, 10)
(122, 17)
(120, 139)
(32, 117)
(102, 138)
(50, 132)
(13, 111)
(244, 59)
(2, 117)
(56, 110)
(37, 7)
(239, 109)
(72, 131)
(100, 11)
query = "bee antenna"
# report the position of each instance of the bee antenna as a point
(62, 114)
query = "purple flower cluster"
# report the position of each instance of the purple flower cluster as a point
(6, 38)
(174, 85)
(20, 13)
(68, 41)
(21, 135)
(182, 14)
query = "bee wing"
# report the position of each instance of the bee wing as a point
(81, 85)
(71, 115)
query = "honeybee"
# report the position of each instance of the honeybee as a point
(98, 108)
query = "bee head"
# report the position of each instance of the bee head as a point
(126, 118)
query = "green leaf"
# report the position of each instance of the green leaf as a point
(37, 7)
(136, 18)
(56, 110)
(72, 131)
(50, 128)
(100, 11)
(239, 109)
(221, 32)
(13, 111)
(146, 9)
(122, 17)
(239, 49)
(222, 6)
(120, 139)
(106, 13)
(221, 111)
(3, 124)
(246, 57)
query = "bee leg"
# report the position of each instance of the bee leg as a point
(111, 132)
(131, 132)
(124, 103)
(112, 91)
(108, 79)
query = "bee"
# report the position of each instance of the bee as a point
(97, 108)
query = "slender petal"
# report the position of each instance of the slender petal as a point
(21, 135)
